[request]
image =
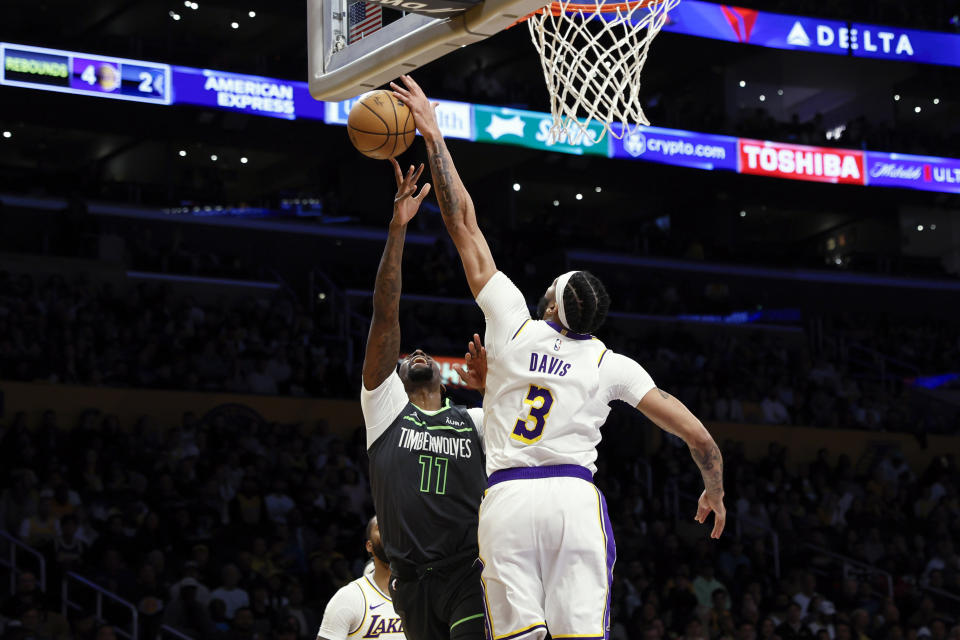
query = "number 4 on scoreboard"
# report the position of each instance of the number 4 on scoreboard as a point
(89, 75)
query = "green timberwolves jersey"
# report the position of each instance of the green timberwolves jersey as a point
(427, 478)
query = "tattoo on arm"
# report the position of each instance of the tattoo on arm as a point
(441, 166)
(710, 461)
(383, 341)
(664, 394)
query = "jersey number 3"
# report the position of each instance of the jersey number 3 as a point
(530, 429)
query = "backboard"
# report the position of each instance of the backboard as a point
(340, 69)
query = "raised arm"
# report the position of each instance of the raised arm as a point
(456, 205)
(383, 341)
(672, 416)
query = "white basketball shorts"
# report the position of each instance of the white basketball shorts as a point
(547, 550)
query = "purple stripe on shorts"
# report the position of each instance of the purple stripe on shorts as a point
(611, 560)
(524, 632)
(534, 473)
(488, 630)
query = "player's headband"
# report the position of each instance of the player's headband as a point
(561, 285)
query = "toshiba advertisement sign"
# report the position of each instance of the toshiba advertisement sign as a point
(799, 162)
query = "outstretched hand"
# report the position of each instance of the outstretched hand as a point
(406, 204)
(714, 503)
(420, 106)
(474, 375)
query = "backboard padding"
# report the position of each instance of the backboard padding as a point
(399, 47)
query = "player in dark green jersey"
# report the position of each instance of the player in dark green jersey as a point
(426, 459)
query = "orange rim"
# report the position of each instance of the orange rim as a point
(557, 8)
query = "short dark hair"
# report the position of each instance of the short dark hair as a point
(585, 302)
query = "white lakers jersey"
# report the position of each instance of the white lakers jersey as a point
(548, 390)
(360, 610)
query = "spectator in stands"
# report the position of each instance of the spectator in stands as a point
(105, 632)
(731, 559)
(925, 615)
(792, 628)
(720, 619)
(68, 548)
(18, 502)
(229, 592)
(114, 574)
(39, 531)
(774, 411)
(259, 379)
(186, 612)
(248, 509)
(307, 620)
(191, 575)
(705, 584)
(65, 500)
(244, 626)
(26, 626)
(265, 617)
(27, 595)
(278, 503)
(355, 490)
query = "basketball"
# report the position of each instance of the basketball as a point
(380, 126)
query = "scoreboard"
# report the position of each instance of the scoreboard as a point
(84, 74)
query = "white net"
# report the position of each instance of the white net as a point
(592, 58)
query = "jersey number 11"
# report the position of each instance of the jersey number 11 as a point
(427, 465)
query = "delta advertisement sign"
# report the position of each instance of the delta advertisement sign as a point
(780, 31)
(799, 162)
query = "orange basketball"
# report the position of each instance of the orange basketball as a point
(380, 126)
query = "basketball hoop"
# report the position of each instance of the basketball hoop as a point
(592, 57)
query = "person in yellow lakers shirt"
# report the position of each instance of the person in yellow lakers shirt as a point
(363, 608)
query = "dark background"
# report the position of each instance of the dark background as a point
(109, 280)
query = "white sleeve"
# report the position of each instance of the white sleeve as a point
(504, 311)
(382, 405)
(622, 378)
(344, 613)
(477, 416)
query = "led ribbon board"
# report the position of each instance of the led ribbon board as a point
(122, 79)
(924, 173)
(800, 33)
(255, 95)
(84, 74)
(455, 118)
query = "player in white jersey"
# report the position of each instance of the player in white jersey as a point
(362, 609)
(544, 534)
